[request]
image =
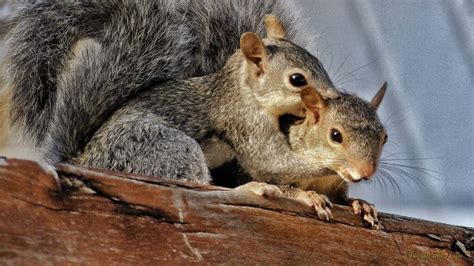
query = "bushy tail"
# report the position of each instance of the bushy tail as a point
(73, 64)
(35, 50)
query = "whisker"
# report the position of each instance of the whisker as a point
(390, 155)
(331, 58)
(411, 159)
(340, 66)
(378, 180)
(395, 122)
(390, 180)
(426, 171)
(390, 177)
(386, 175)
(384, 186)
(341, 82)
(394, 154)
(394, 143)
(336, 79)
(404, 176)
(396, 114)
(402, 173)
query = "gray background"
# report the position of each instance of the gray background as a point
(424, 49)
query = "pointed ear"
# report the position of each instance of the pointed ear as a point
(274, 27)
(253, 49)
(377, 99)
(313, 102)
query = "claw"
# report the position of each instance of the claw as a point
(369, 219)
(261, 189)
(356, 207)
(368, 211)
(320, 203)
(329, 211)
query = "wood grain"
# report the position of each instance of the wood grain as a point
(75, 215)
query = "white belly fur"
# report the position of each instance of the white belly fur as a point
(217, 153)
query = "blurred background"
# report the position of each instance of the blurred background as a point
(424, 49)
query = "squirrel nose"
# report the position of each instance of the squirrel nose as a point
(363, 169)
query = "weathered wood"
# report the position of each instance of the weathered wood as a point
(77, 215)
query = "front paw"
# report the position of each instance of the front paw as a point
(367, 210)
(260, 189)
(320, 203)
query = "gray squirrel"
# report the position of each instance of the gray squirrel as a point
(161, 87)
(344, 134)
(103, 84)
(347, 136)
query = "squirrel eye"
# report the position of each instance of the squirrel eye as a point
(297, 80)
(336, 136)
(385, 139)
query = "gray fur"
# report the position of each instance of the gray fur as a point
(140, 142)
(102, 90)
(360, 122)
(143, 42)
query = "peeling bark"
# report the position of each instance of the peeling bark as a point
(78, 215)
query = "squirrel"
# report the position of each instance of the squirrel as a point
(346, 136)
(162, 88)
(134, 85)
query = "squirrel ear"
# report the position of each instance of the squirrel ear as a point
(377, 99)
(253, 49)
(274, 27)
(313, 101)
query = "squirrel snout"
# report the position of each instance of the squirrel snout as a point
(363, 170)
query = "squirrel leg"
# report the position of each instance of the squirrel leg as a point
(261, 189)
(139, 144)
(319, 202)
(367, 210)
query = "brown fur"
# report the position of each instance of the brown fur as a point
(274, 27)
(362, 140)
(5, 96)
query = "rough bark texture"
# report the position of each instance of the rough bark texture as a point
(77, 215)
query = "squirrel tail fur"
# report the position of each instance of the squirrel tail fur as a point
(70, 64)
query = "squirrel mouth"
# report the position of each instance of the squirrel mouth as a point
(346, 177)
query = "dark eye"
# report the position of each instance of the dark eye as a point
(385, 139)
(297, 80)
(336, 136)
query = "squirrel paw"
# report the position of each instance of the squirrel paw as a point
(367, 210)
(320, 203)
(261, 189)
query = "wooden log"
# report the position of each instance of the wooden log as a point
(75, 215)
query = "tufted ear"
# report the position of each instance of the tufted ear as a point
(253, 50)
(377, 99)
(274, 27)
(313, 102)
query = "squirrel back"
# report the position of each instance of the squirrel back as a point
(130, 45)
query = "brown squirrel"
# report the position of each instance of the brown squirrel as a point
(346, 137)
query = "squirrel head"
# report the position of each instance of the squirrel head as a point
(344, 133)
(276, 70)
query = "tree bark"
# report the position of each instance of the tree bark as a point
(76, 215)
